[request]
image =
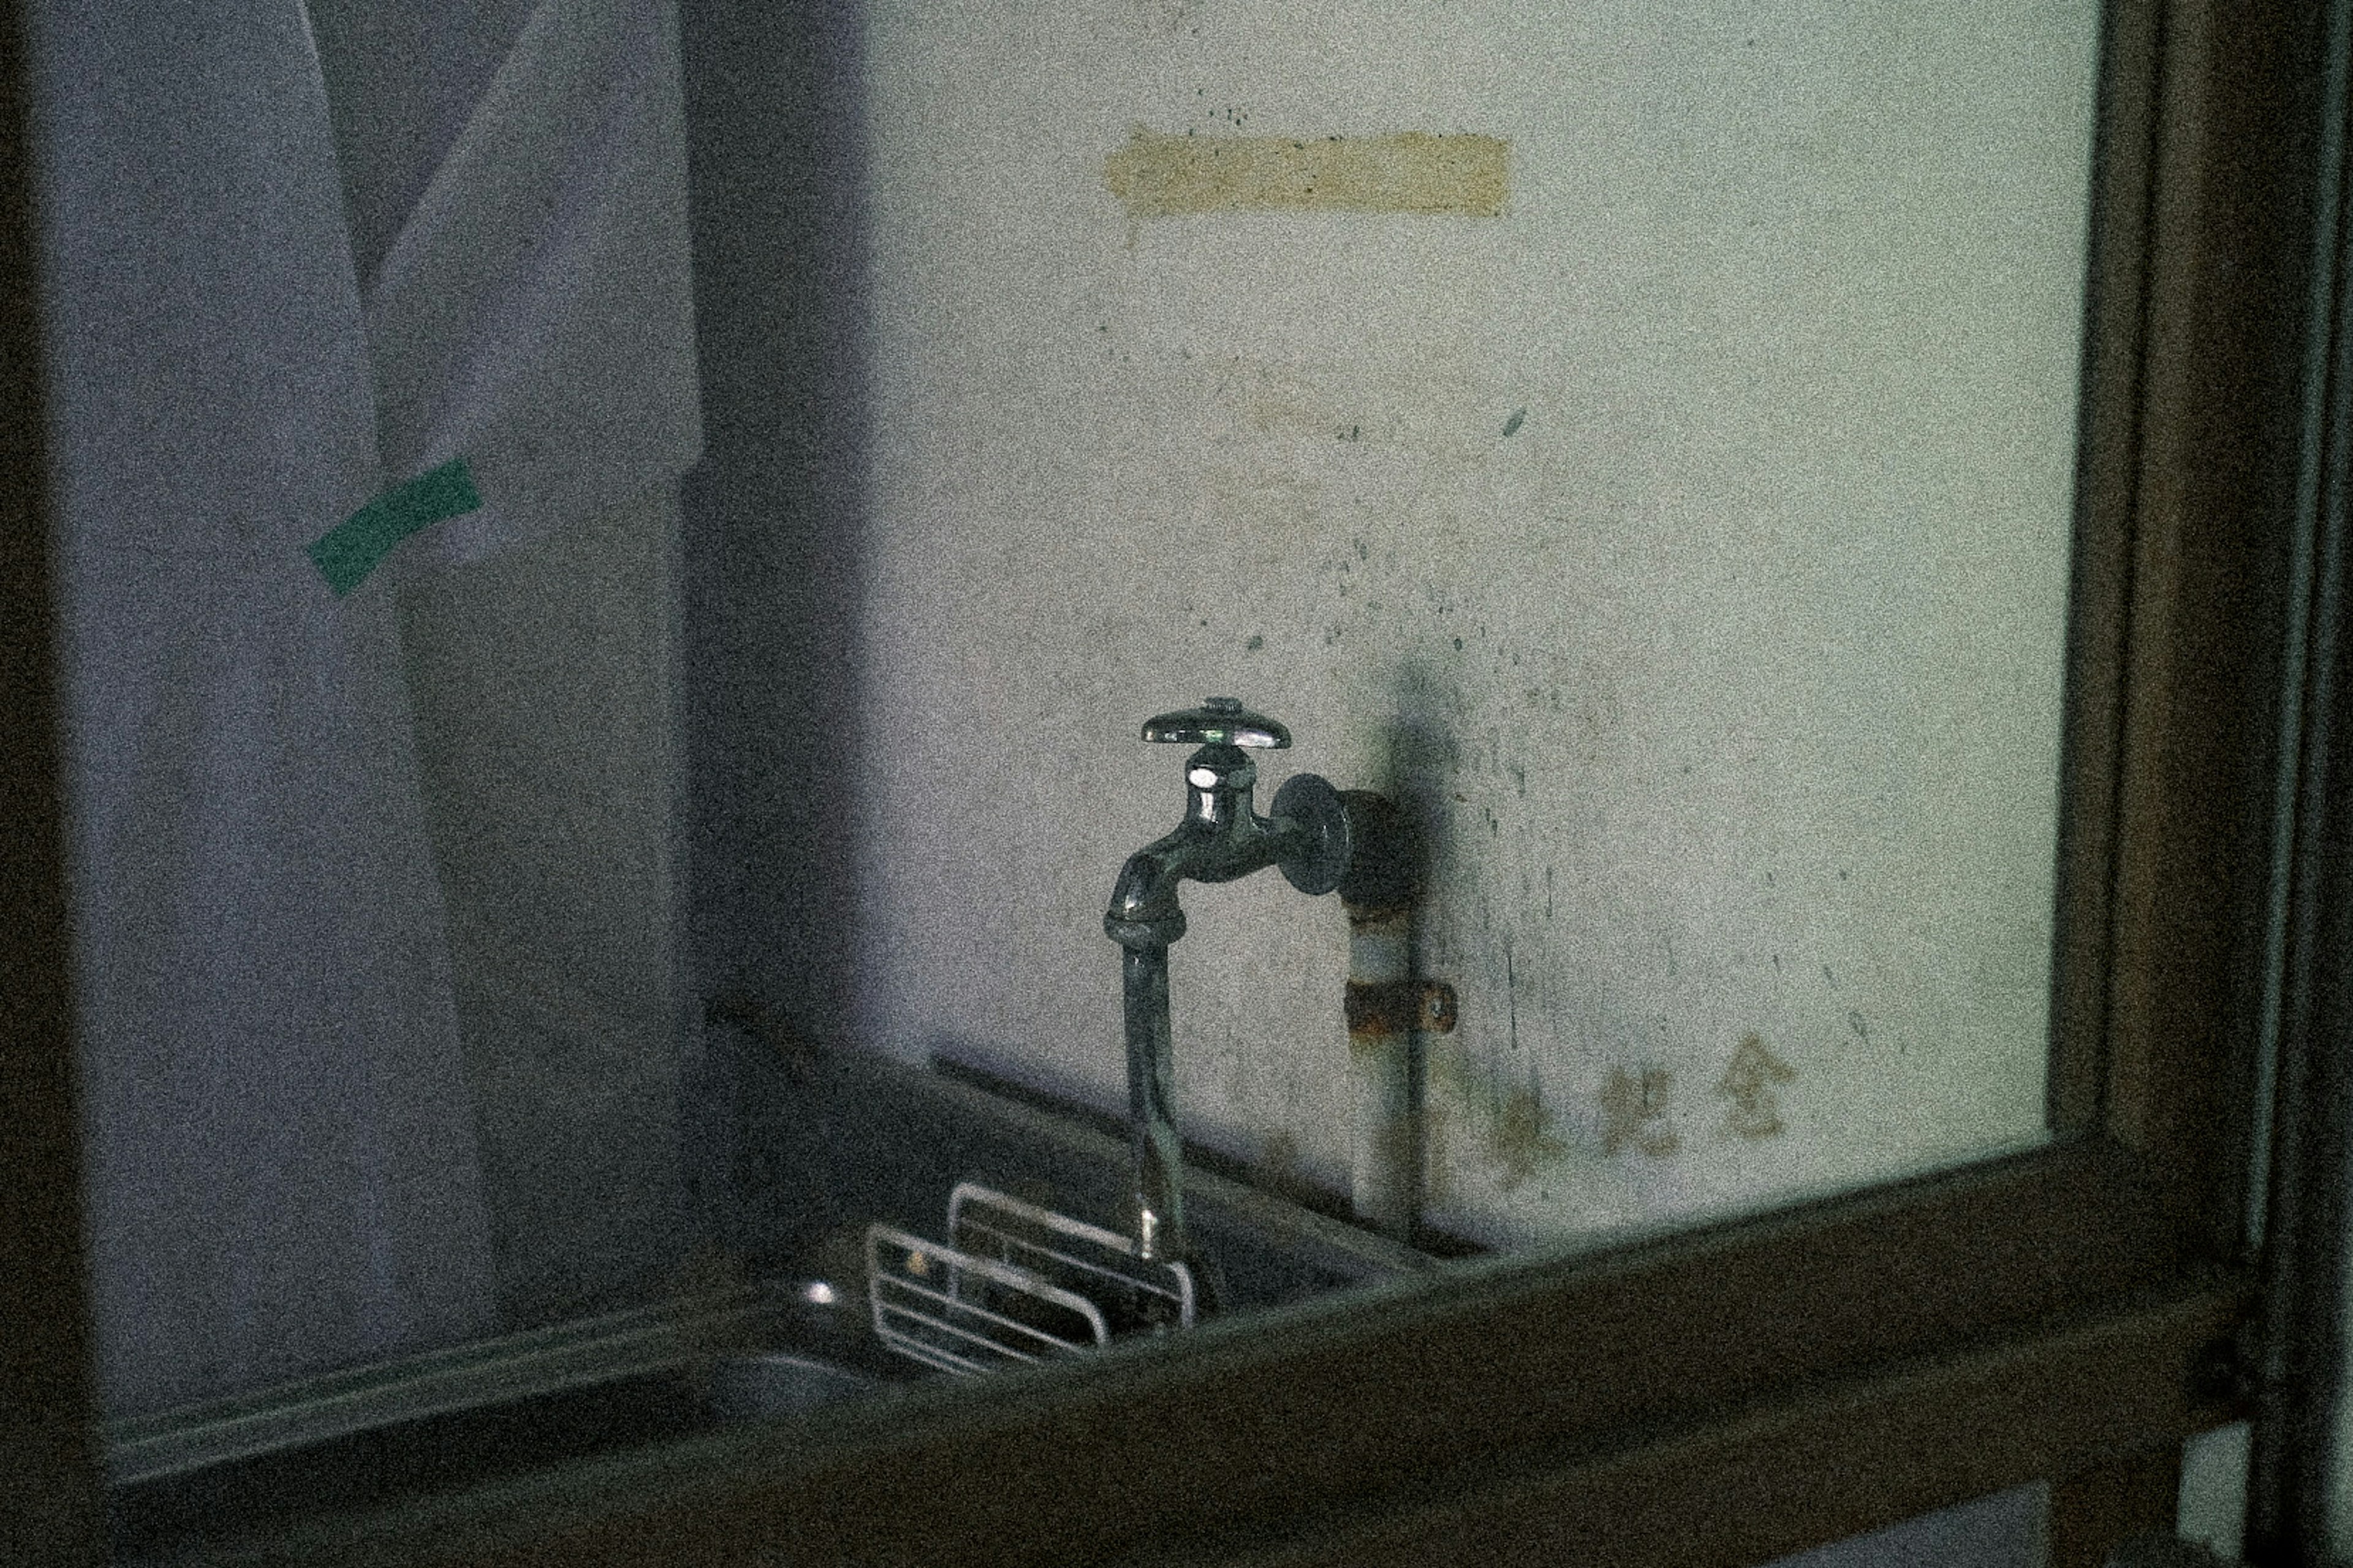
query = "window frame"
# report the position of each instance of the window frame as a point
(1723, 1394)
(50, 1508)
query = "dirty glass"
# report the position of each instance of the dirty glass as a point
(1639, 441)
(1636, 443)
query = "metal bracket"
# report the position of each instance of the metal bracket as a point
(1400, 1008)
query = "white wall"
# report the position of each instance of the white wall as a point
(1728, 678)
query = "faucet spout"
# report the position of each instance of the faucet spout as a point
(1221, 838)
(1159, 1153)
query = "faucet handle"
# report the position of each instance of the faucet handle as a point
(1218, 721)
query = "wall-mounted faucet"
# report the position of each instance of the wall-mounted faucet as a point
(1221, 838)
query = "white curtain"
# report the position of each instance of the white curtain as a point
(282, 1157)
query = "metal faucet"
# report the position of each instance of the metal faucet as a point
(1221, 838)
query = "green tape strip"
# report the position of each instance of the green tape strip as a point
(348, 552)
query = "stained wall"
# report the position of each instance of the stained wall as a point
(1682, 536)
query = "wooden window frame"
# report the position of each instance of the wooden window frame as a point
(1713, 1396)
(49, 1452)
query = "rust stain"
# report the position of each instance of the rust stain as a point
(1379, 1013)
(1520, 1139)
(1749, 1080)
(1519, 1135)
(1629, 1106)
(1159, 175)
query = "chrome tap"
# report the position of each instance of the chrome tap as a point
(1221, 838)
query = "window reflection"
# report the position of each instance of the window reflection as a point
(1639, 446)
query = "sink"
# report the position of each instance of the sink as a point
(857, 1140)
(804, 1158)
(760, 1384)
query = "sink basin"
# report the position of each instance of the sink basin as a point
(759, 1385)
(860, 1139)
(808, 1160)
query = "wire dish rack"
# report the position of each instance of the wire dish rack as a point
(1014, 1283)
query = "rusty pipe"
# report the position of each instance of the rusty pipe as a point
(1389, 1011)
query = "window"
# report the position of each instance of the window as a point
(1723, 1394)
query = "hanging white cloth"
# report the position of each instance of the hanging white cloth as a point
(517, 183)
(280, 1155)
(533, 312)
(282, 1160)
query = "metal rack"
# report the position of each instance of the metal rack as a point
(1016, 1283)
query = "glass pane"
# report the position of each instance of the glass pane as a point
(1635, 442)
(1638, 440)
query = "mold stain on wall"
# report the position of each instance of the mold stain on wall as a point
(1607, 484)
(1511, 1137)
(1749, 1081)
